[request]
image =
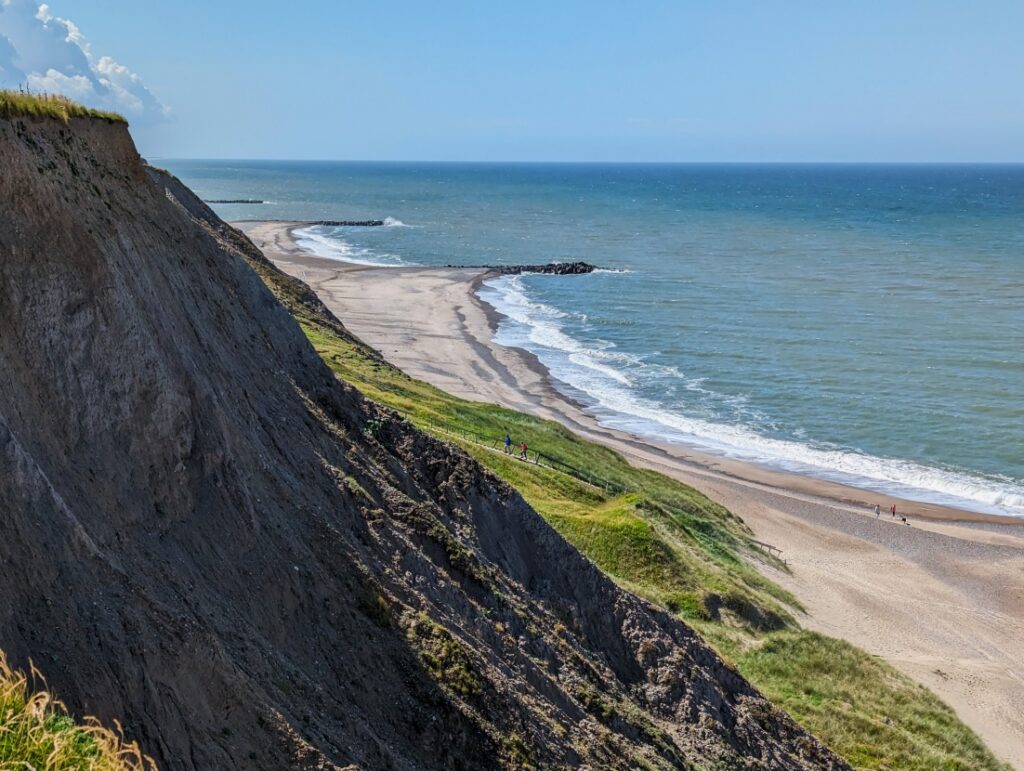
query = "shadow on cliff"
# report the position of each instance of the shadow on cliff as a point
(209, 537)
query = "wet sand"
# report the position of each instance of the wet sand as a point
(942, 598)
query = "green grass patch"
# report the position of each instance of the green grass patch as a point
(18, 104)
(671, 544)
(444, 656)
(877, 716)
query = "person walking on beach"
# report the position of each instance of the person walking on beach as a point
(893, 510)
(508, 444)
(878, 510)
(522, 450)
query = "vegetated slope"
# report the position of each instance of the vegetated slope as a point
(207, 535)
(673, 545)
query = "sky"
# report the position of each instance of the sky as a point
(682, 80)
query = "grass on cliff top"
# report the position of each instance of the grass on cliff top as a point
(36, 732)
(674, 546)
(18, 104)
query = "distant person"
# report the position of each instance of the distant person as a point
(522, 450)
(893, 510)
(878, 510)
(508, 444)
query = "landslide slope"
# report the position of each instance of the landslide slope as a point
(206, 535)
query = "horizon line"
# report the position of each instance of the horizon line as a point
(597, 162)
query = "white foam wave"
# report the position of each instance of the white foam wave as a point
(391, 222)
(606, 377)
(332, 246)
(544, 330)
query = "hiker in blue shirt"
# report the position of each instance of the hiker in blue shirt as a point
(508, 444)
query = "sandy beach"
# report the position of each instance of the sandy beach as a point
(942, 598)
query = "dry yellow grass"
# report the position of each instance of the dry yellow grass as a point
(18, 104)
(38, 734)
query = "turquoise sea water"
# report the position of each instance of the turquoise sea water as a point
(857, 323)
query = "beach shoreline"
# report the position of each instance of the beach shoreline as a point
(941, 599)
(562, 406)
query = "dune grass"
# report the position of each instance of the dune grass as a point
(37, 733)
(674, 546)
(821, 681)
(19, 104)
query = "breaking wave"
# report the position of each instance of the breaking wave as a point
(607, 378)
(329, 242)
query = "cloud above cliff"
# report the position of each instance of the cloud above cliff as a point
(46, 53)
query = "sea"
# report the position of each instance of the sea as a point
(856, 323)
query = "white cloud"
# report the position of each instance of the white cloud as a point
(46, 53)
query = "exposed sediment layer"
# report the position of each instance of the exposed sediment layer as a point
(207, 536)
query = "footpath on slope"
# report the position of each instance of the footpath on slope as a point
(537, 458)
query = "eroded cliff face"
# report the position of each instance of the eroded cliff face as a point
(200, 537)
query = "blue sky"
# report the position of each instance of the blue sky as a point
(660, 81)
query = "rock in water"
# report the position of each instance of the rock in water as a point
(349, 223)
(200, 538)
(235, 200)
(551, 268)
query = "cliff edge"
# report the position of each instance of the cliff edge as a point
(208, 537)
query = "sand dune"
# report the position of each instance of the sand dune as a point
(941, 599)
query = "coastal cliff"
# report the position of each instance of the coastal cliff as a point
(210, 538)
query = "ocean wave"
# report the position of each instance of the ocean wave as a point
(391, 222)
(544, 330)
(607, 379)
(325, 241)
